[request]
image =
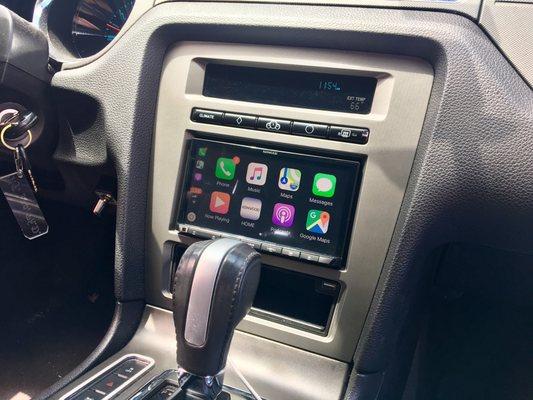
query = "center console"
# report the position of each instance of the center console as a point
(304, 154)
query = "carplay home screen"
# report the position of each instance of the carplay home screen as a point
(291, 199)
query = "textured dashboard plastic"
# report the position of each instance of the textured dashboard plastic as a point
(510, 24)
(473, 174)
(466, 7)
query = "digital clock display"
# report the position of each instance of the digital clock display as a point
(344, 93)
(330, 85)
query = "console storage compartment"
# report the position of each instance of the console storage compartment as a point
(295, 299)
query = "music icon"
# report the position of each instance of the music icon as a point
(256, 174)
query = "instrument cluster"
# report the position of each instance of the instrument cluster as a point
(81, 28)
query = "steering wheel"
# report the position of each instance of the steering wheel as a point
(23, 53)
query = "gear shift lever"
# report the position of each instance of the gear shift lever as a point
(214, 286)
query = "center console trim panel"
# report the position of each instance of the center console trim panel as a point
(395, 122)
(284, 372)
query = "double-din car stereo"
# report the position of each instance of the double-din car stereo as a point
(284, 203)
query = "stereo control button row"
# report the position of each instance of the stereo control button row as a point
(265, 247)
(308, 257)
(204, 233)
(240, 120)
(349, 134)
(256, 244)
(207, 116)
(325, 260)
(290, 252)
(271, 248)
(274, 125)
(309, 129)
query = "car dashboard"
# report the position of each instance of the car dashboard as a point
(346, 142)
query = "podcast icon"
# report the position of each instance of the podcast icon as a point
(283, 215)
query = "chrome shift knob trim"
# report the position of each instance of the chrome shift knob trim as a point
(202, 290)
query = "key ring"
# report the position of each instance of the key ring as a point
(3, 139)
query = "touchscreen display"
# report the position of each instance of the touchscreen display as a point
(290, 199)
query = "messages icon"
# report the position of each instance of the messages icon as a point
(324, 185)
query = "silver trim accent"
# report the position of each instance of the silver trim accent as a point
(203, 286)
(400, 103)
(282, 319)
(120, 388)
(40, 18)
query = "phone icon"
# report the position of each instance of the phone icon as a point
(225, 168)
(256, 174)
(289, 179)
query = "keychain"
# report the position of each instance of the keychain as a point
(18, 189)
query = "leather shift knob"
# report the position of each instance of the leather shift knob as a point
(214, 287)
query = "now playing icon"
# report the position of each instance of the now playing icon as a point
(240, 120)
